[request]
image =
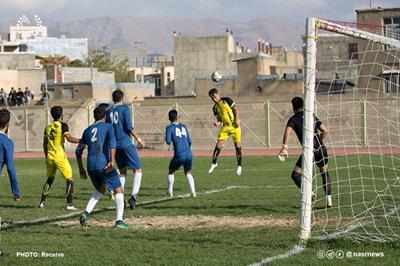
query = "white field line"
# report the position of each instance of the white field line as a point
(164, 199)
(295, 250)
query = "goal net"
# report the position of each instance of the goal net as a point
(352, 84)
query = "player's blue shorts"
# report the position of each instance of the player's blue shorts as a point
(100, 177)
(176, 163)
(127, 157)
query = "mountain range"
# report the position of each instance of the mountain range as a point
(157, 34)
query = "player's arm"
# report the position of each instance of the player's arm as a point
(219, 120)
(45, 147)
(67, 134)
(128, 125)
(189, 139)
(283, 153)
(12, 173)
(78, 153)
(168, 136)
(113, 144)
(323, 131)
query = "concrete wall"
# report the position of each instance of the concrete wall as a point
(17, 61)
(31, 78)
(79, 74)
(197, 57)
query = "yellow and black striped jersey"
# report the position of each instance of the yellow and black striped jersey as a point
(54, 133)
(224, 109)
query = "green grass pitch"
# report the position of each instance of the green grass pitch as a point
(264, 192)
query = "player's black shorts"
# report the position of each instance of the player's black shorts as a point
(320, 157)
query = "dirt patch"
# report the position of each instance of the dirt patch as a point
(190, 222)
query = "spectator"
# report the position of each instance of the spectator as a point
(3, 97)
(12, 97)
(45, 97)
(28, 96)
(20, 97)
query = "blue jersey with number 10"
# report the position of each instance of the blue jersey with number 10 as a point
(178, 134)
(120, 117)
(100, 139)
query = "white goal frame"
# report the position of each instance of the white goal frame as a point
(312, 25)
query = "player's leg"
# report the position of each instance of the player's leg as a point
(121, 164)
(236, 136)
(321, 159)
(222, 137)
(173, 167)
(51, 171)
(296, 174)
(66, 171)
(97, 194)
(187, 165)
(132, 161)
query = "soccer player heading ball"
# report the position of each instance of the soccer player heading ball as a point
(320, 153)
(178, 135)
(228, 116)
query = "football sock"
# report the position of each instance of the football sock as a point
(329, 197)
(239, 155)
(215, 154)
(46, 188)
(296, 178)
(170, 183)
(70, 191)
(92, 201)
(122, 181)
(191, 183)
(326, 182)
(119, 206)
(137, 179)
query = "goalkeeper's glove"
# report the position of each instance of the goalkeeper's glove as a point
(283, 154)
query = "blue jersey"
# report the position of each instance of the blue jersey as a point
(178, 134)
(7, 157)
(120, 117)
(100, 139)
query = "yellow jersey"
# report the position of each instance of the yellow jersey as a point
(224, 109)
(54, 133)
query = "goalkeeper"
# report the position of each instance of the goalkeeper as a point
(320, 153)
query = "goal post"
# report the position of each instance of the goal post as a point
(365, 175)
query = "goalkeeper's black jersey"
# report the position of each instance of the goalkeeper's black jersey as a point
(296, 122)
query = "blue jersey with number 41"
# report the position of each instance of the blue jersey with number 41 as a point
(100, 139)
(120, 117)
(178, 135)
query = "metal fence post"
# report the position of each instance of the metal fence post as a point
(26, 130)
(364, 133)
(88, 115)
(267, 108)
(133, 114)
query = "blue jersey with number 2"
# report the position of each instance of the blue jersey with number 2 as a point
(178, 135)
(100, 139)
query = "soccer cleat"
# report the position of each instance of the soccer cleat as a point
(193, 195)
(132, 202)
(212, 167)
(17, 198)
(84, 218)
(329, 203)
(41, 205)
(121, 224)
(170, 195)
(71, 207)
(239, 170)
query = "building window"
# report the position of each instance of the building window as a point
(353, 51)
(392, 27)
(392, 82)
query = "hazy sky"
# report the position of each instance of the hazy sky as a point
(241, 10)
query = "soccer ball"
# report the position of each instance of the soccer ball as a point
(216, 76)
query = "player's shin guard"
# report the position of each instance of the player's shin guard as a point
(137, 180)
(92, 201)
(122, 180)
(46, 188)
(170, 181)
(119, 206)
(296, 178)
(70, 191)
(326, 182)
(190, 180)
(239, 155)
(215, 154)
